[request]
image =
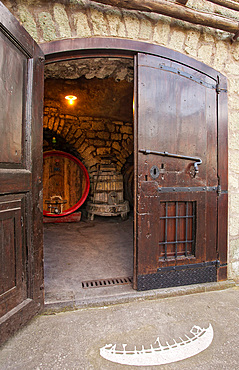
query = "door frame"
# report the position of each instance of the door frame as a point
(70, 49)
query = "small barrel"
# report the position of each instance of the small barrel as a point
(108, 188)
(66, 183)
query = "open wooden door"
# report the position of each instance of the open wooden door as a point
(178, 175)
(21, 247)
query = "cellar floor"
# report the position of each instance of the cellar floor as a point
(83, 251)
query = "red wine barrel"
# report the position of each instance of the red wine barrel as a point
(66, 183)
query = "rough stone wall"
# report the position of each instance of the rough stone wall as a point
(92, 137)
(47, 21)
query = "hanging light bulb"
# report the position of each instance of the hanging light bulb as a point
(71, 99)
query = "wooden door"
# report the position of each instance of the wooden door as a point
(21, 247)
(177, 175)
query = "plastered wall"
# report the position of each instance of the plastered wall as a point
(47, 21)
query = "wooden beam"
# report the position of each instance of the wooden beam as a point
(226, 4)
(177, 11)
(183, 2)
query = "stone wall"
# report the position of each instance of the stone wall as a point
(48, 21)
(91, 137)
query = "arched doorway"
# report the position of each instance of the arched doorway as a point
(175, 197)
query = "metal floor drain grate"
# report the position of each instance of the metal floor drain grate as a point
(101, 283)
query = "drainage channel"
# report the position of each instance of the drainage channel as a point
(101, 283)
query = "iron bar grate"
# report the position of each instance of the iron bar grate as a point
(101, 283)
(177, 229)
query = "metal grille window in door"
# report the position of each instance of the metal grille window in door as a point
(177, 229)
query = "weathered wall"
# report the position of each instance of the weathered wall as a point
(47, 21)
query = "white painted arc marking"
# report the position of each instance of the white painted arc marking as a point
(153, 356)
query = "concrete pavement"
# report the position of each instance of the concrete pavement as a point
(72, 340)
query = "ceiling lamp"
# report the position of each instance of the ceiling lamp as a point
(70, 99)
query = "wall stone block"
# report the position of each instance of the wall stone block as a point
(98, 126)
(47, 26)
(103, 135)
(161, 33)
(79, 142)
(233, 270)
(235, 51)
(234, 250)
(97, 142)
(233, 141)
(126, 129)
(116, 146)
(103, 151)
(66, 128)
(60, 126)
(51, 123)
(221, 55)
(232, 69)
(98, 22)
(116, 26)
(85, 125)
(90, 134)
(61, 18)
(45, 121)
(28, 21)
(234, 203)
(207, 35)
(177, 40)
(205, 53)
(145, 29)
(82, 25)
(234, 225)
(116, 136)
(191, 43)
(132, 24)
(233, 160)
(233, 181)
(111, 127)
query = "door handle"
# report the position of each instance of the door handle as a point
(197, 161)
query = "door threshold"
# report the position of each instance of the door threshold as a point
(70, 301)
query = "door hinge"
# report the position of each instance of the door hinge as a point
(219, 89)
(22, 221)
(219, 190)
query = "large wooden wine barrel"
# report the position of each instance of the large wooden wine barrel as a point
(66, 183)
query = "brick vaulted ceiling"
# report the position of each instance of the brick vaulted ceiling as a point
(100, 122)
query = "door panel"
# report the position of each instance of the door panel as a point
(176, 196)
(13, 64)
(13, 288)
(21, 247)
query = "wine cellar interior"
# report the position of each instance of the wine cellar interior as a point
(96, 130)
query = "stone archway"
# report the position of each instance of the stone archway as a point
(108, 47)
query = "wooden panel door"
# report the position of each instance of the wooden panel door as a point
(21, 247)
(177, 174)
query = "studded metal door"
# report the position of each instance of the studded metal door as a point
(178, 183)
